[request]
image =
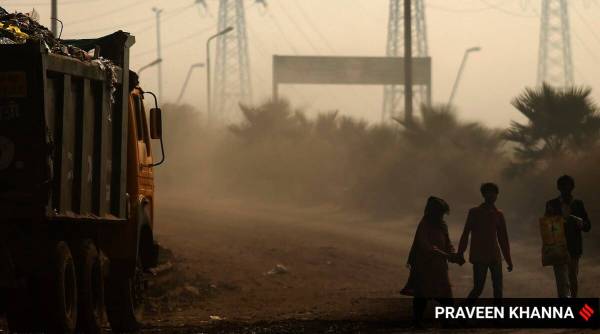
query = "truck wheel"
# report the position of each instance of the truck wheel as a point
(125, 300)
(91, 289)
(62, 304)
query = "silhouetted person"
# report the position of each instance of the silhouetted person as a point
(567, 206)
(428, 260)
(487, 227)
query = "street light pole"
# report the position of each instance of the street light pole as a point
(158, 51)
(187, 78)
(460, 70)
(208, 88)
(408, 79)
(154, 62)
(54, 17)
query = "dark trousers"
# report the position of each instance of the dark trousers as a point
(566, 278)
(573, 274)
(479, 275)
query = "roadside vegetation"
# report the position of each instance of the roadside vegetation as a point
(278, 153)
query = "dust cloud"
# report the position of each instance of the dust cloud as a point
(337, 201)
(277, 153)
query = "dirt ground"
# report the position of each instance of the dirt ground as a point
(339, 272)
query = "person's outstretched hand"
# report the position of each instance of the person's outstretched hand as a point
(510, 267)
(459, 259)
(441, 252)
(456, 258)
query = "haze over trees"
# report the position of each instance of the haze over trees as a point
(277, 153)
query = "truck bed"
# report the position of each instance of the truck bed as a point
(63, 123)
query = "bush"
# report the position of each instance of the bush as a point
(277, 153)
(281, 153)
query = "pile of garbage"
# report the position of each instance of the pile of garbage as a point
(18, 28)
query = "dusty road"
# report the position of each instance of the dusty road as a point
(342, 272)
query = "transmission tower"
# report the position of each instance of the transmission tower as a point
(393, 95)
(232, 70)
(555, 64)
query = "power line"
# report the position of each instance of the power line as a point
(506, 11)
(72, 2)
(112, 27)
(178, 41)
(314, 26)
(364, 10)
(298, 27)
(311, 23)
(257, 40)
(280, 29)
(457, 10)
(315, 49)
(169, 15)
(103, 14)
(262, 50)
(589, 26)
(585, 46)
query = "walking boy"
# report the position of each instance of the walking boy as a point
(487, 228)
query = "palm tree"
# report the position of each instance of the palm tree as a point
(270, 119)
(440, 128)
(559, 120)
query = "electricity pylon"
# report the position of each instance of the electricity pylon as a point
(555, 63)
(393, 95)
(232, 70)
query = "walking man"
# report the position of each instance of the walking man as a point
(576, 220)
(487, 227)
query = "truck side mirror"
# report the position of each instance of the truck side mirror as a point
(155, 123)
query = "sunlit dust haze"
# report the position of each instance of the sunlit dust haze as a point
(507, 31)
(314, 181)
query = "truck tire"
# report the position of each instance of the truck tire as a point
(125, 300)
(91, 289)
(62, 302)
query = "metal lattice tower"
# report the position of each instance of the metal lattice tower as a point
(555, 63)
(232, 70)
(393, 95)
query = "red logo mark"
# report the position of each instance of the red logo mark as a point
(586, 312)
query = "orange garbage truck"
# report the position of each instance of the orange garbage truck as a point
(76, 186)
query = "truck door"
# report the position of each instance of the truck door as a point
(145, 177)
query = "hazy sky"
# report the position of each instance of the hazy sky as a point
(506, 30)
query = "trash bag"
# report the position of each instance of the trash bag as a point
(6, 40)
(554, 241)
(14, 32)
(18, 28)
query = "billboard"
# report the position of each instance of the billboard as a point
(330, 70)
(348, 70)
